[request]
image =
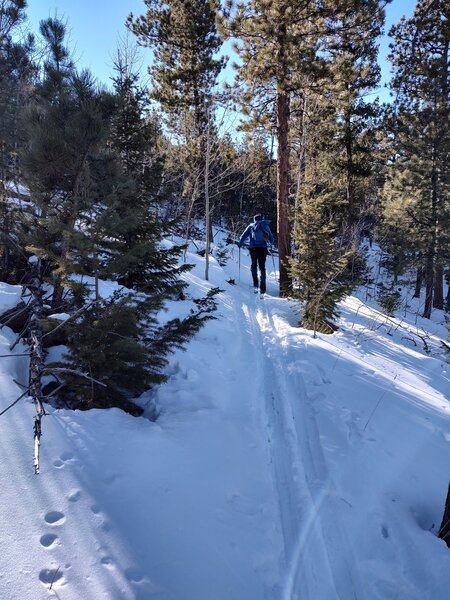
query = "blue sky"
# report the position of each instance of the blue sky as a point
(96, 25)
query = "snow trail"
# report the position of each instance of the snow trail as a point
(314, 566)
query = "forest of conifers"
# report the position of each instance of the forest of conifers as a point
(92, 179)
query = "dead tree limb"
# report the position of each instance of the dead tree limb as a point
(52, 370)
(14, 403)
(15, 318)
(73, 316)
(34, 338)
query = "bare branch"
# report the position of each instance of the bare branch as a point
(26, 393)
(74, 372)
(75, 314)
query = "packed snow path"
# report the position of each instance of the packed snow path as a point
(314, 565)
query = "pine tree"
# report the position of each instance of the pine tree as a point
(184, 40)
(16, 73)
(135, 256)
(135, 130)
(321, 263)
(333, 137)
(354, 73)
(419, 175)
(66, 124)
(121, 347)
(396, 232)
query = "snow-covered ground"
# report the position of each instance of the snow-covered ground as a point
(281, 467)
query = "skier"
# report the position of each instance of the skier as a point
(260, 234)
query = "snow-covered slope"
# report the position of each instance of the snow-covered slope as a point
(281, 467)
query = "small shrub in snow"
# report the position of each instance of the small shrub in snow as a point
(389, 300)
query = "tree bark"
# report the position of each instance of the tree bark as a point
(282, 113)
(429, 281)
(419, 280)
(350, 191)
(430, 255)
(207, 209)
(438, 299)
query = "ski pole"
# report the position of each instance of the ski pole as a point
(239, 265)
(273, 262)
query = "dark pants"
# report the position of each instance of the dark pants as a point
(258, 256)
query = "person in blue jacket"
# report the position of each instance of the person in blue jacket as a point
(260, 235)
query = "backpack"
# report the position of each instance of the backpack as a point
(259, 234)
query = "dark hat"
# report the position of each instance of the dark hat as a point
(257, 218)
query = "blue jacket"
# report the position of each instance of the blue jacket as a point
(250, 230)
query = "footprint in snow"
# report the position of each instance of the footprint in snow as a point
(51, 576)
(104, 525)
(133, 574)
(74, 496)
(54, 517)
(107, 561)
(48, 540)
(63, 459)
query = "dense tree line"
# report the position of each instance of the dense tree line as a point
(91, 179)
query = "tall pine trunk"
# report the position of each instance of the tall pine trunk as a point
(350, 188)
(301, 156)
(208, 225)
(438, 299)
(282, 108)
(429, 280)
(419, 280)
(430, 255)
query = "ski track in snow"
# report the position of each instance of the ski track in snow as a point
(313, 565)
